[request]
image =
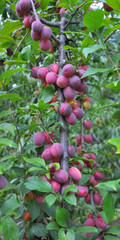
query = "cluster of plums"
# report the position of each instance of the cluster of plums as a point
(71, 83)
(39, 32)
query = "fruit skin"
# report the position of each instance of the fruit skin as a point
(44, 44)
(71, 151)
(38, 138)
(71, 118)
(68, 70)
(35, 36)
(100, 223)
(78, 139)
(51, 78)
(90, 215)
(26, 22)
(28, 196)
(69, 93)
(78, 113)
(89, 222)
(88, 124)
(34, 72)
(88, 199)
(107, 7)
(3, 182)
(25, 5)
(37, 26)
(61, 176)
(56, 186)
(39, 199)
(62, 81)
(74, 81)
(56, 150)
(98, 198)
(26, 216)
(46, 155)
(82, 87)
(87, 105)
(88, 138)
(42, 72)
(99, 175)
(54, 67)
(82, 191)
(65, 109)
(75, 174)
(46, 32)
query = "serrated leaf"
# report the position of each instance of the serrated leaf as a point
(13, 97)
(110, 237)
(62, 216)
(91, 71)
(38, 230)
(7, 142)
(92, 49)
(109, 185)
(114, 85)
(109, 206)
(114, 4)
(10, 230)
(48, 93)
(86, 229)
(9, 206)
(114, 230)
(36, 161)
(50, 199)
(44, 4)
(9, 72)
(36, 183)
(9, 26)
(52, 226)
(71, 199)
(34, 209)
(93, 19)
(7, 127)
(115, 142)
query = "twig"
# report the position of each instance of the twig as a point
(55, 38)
(92, 200)
(106, 39)
(82, 129)
(52, 24)
(72, 15)
(45, 128)
(110, 59)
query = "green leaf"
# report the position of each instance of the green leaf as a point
(114, 4)
(48, 93)
(34, 209)
(106, 106)
(68, 234)
(91, 71)
(62, 216)
(86, 229)
(109, 206)
(10, 230)
(61, 234)
(9, 72)
(7, 142)
(44, 4)
(35, 161)
(114, 85)
(109, 185)
(38, 230)
(87, 41)
(114, 230)
(2, 6)
(7, 127)
(71, 199)
(32, 169)
(115, 142)
(92, 49)
(84, 179)
(13, 97)
(52, 226)
(10, 25)
(9, 206)
(93, 19)
(15, 62)
(6, 38)
(50, 199)
(6, 113)
(36, 183)
(26, 53)
(72, 188)
(110, 237)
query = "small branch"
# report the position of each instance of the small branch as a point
(110, 59)
(82, 129)
(45, 128)
(92, 200)
(52, 24)
(106, 39)
(18, 133)
(72, 15)
(55, 38)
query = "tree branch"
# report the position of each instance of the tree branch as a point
(72, 15)
(63, 127)
(82, 129)
(92, 200)
(52, 24)
(106, 39)
(55, 38)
